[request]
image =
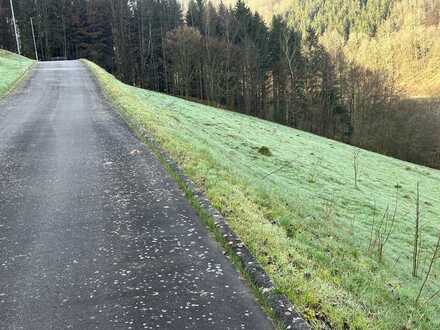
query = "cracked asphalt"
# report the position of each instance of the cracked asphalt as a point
(93, 232)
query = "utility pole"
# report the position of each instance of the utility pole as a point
(15, 28)
(33, 37)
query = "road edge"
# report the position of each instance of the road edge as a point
(281, 309)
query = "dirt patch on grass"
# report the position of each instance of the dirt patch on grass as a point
(265, 151)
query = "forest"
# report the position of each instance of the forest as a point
(297, 68)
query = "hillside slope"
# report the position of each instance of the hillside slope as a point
(293, 199)
(406, 45)
(401, 37)
(12, 68)
(266, 8)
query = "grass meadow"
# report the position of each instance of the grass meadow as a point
(331, 224)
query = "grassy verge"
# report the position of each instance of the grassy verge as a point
(293, 200)
(12, 68)
(208, 221)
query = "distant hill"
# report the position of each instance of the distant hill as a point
(264, 7)
(398, 37)
(401, 37)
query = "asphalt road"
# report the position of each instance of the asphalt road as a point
(93, 233)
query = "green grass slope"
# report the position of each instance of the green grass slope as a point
(12, 68)
(292, 199)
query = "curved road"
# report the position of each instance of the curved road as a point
(93, 233)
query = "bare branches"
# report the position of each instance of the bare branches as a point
(435, 255)
(417, 238)
(328, 210)
(382, 229)
(356, 153)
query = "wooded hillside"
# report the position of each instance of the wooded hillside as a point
(401, 36)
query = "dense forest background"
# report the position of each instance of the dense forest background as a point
(363, 72)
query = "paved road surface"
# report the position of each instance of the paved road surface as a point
(94, 235)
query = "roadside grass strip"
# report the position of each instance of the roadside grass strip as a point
(13, 68)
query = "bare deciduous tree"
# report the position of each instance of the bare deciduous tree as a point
(417, 234)
(435, 255)
(382, 229)
(356, 154)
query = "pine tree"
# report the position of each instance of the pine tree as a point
(6, 29)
